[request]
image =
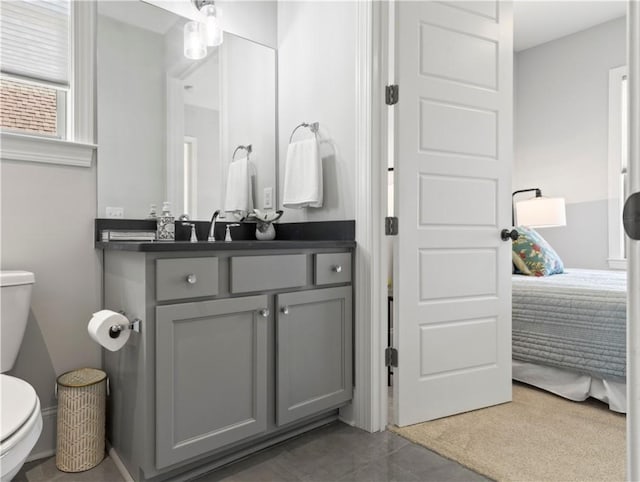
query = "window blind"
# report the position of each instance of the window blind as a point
(36, 39)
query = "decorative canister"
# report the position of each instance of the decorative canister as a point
(265, 230)
(81, 419)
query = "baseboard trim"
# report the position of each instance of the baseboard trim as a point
(119, 464)
(46, 444)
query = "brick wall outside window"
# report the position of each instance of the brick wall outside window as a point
(28, 108)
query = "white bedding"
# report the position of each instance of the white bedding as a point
(569, 334)
(571, 385)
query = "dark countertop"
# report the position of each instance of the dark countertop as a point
(160, 246)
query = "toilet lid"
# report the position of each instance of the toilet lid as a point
(12, 278)
(18, 399)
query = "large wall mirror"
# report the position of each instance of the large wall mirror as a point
(168, 126)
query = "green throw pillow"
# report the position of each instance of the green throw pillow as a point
(533, 256)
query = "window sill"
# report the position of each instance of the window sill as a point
(617, 263)
(22, 147)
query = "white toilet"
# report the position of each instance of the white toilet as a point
(20, 418)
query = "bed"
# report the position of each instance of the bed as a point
(569, 334)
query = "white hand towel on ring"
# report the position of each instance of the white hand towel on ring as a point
(303, 175)
(239, 196)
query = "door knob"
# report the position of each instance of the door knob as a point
(264, 312)
(506, 235)
(631, 216)
(285, 310)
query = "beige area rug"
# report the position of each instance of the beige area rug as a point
(537, 437)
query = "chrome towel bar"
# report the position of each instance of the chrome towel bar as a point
(313, 127)
(247, 148)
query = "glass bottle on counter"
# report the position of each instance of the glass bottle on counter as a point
(166, 224)
(152, 212)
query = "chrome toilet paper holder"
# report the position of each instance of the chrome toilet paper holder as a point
(115, 330)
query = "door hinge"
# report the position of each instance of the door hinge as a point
(391, 226)
(391, 94)
(391, 357)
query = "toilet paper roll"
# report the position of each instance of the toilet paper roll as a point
(99, 327)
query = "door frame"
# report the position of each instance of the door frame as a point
(374, 69)
(633, 261)
(369, 408)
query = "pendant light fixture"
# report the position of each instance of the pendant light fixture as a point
(195, 47)
(202, 33)
(214, 33)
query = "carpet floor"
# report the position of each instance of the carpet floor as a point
(537, 437)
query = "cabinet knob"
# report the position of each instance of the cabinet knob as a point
(285, 310)
(191, 279)
(264, 312)
(336, 269)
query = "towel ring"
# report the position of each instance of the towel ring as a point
(313, 127)
(247, 148)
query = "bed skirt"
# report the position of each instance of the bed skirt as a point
(571, 385)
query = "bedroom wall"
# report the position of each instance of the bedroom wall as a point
(561, 133)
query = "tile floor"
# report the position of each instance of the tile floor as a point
(45, 470)
(336, 452)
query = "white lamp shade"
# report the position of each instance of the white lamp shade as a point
(541, 212)
(195, 47)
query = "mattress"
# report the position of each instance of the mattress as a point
(574, 321)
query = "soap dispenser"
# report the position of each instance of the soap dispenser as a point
(166, 224)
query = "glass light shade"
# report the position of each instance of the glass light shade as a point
(541, 212)
(195, 47)
(214, 33)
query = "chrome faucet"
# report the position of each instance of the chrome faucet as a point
(212, 228)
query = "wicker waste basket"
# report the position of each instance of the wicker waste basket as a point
(81, 419)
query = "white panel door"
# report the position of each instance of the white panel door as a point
(453, 143)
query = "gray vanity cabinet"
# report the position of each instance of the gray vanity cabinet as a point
(211, 375)
(238, 349)
(314, 355)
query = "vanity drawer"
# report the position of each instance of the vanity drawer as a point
(186, 278)
(262, 273)
(333, 268)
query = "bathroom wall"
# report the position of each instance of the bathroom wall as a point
(204, 125)
(131, 78)
(317, 82)
(47, 228)
(248, 96)
(561, 134)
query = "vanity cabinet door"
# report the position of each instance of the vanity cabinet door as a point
(211, 375)
(314, 352)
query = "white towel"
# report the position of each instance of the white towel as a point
(303, 175)
(239, 198)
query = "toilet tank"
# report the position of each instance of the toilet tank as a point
(15, 299)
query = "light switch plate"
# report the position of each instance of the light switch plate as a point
(115, 212)
(268, 198)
